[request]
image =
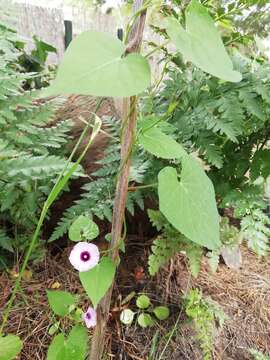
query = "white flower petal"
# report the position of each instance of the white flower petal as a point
(84, 256)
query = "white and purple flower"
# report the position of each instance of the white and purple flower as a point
(90, 317)
(84, 256)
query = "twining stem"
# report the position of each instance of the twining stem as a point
(140, 187)
(129, 117)
(59, 185)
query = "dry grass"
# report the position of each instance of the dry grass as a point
(244, 296)
(30, 317)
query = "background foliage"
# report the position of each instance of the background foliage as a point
(32, 147)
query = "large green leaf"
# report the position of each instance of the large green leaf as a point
(72, 348)
(201, 43)
(97, 281)
(94, 64)
(76, 344)
(189, 204)
(56, 348)
(160, 144)
(10, 346)
(60, 301)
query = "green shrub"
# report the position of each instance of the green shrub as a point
(32, 147)
(227, 125)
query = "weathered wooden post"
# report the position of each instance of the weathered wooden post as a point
(129, 118)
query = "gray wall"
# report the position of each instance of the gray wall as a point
(48, 25)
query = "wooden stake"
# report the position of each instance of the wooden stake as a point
(129, 117)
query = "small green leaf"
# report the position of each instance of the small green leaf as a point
(189, 204)
(94, 64)
(145, 320)
(72, 348)
(57, 348)
(159, 144)
(127, 316)
(60, 301)
(83, 228)
(97, 281)
(108, 237)
(201, 42)
(143, 302)
(10, 346)
(162, 312)
(77, 315)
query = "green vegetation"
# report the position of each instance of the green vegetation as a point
(197, 141)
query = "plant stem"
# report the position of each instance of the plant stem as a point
(134, 188)
(157, 48)
(129, 122)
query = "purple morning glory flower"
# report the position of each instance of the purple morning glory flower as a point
(90, 317)
(84, 256)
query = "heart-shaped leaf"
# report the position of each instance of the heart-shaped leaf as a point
(201, 43)
(189, 204)
(94, 64)
(56, 348)
(97, 281)
(60, 301)
(10, 346)
(83, 228)
(76, 343)
(160, 144)
(72, 348)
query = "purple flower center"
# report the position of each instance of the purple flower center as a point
(85, 256)
(88, 316)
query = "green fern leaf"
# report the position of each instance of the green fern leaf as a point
(256, 231)
(5, 241)
(35, 167)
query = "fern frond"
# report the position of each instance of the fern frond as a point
(157, 219)
(169, 244)
(229, 120)
(256, 231)
(162, 251)
(5, 241)
(38, 167)
(252, 103)
(210, 150)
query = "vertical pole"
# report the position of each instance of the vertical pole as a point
(68, 32)
(120, 34)
(129, 119)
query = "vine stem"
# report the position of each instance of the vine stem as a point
(129, 122)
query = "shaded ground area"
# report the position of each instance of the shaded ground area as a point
(244, 296)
